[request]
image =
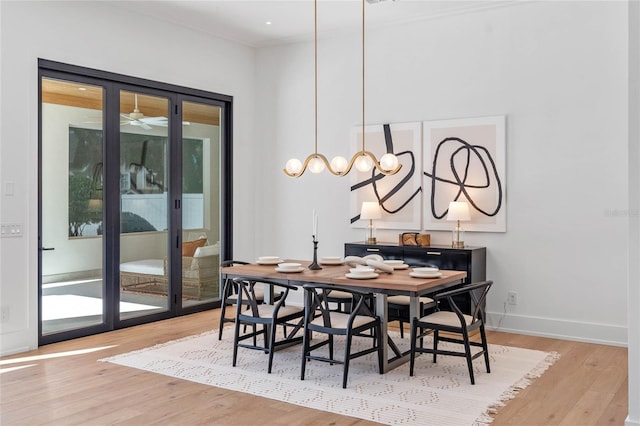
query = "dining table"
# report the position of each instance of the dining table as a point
(398, 282)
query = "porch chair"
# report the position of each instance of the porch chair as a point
(454, 322)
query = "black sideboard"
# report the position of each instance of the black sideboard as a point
(473, 260)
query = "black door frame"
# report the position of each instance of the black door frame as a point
(112, 84)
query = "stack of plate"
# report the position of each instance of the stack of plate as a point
(426, 272)
(289, 267)
(396, 264)
(361, 273)
(268, 260)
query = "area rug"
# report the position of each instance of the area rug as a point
(438, 394)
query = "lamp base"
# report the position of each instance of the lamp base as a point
(457, 244)
(371, 240)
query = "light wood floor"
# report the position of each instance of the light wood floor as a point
(53, 385)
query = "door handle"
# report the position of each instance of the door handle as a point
(373, 249)
(437, 253)
(47, 248)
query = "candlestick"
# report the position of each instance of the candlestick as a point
(314, 265)
(315, 224)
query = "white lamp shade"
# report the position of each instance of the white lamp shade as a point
(370, 210)
(458, 210)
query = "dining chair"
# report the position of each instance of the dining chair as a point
(454, 322)
(343, 300)
(264, 318)
(398, 309)
(360, 322)
(229, 296)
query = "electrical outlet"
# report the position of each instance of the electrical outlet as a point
(512, 298)
(5, 314)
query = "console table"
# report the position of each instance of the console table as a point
(472, 260)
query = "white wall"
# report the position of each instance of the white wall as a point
(558, 70)
(97, 35)
(633, 300)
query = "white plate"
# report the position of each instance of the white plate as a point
(268, 262)
(426, 270)
(402, 266)
(362, 276)
(331, 261)
(426, 275)
(289, 271)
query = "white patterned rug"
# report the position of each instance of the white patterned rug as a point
(438, 394)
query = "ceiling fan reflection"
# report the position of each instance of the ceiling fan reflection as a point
(136, 118)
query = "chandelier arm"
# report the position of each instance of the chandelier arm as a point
(308, 160)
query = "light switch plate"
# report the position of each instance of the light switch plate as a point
(11, 230)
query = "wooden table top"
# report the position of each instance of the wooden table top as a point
(398, 281)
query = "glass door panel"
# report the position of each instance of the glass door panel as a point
(200, 202)
(144, 178)
(71, 273)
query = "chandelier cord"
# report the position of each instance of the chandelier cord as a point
(315, 38)
(363, 130)
(339, 166)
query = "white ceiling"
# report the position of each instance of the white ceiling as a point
(244, 21)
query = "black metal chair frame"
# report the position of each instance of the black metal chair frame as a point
(317, 305)
(464, 328)
(251, 316)
(229, 297)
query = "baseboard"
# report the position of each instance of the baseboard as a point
(604, 334)
(629, 422)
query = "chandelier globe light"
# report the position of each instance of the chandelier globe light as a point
(363, 160)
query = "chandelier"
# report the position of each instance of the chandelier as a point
(363, 160)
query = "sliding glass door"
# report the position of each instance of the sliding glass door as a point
(134, 206)
(72, 289)
(201, 206)
(143, 199)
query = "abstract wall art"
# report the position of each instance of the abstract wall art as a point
(464, 160)
(400, 195)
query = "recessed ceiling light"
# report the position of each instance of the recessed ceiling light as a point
(268, 22)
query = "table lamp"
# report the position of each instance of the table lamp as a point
(458, 211)
(371, 210)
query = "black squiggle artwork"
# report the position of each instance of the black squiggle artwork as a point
(377, 176)
(461, 175)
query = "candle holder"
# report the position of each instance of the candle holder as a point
(314, 266)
